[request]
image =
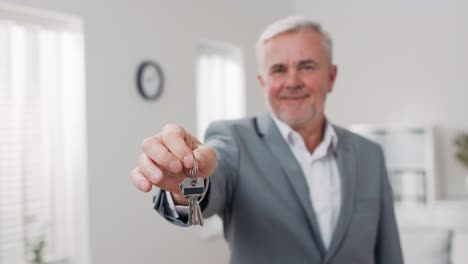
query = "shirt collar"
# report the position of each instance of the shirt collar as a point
(330, 139)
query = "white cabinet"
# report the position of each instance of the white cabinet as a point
(409, 155)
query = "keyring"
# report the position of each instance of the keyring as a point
(193, 172)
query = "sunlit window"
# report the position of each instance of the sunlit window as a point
(42, 138)
(220, 84)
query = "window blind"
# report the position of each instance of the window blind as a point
(41, 79)
(220, 84)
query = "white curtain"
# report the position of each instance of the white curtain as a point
(220, 85)
(42, 142)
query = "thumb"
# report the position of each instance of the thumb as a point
(206, 158)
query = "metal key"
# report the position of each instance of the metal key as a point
(193, 187)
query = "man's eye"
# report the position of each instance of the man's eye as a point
(308, 67)
(277, 70)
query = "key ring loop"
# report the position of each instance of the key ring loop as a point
(193, 172)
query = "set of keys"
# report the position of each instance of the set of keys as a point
(193, 187)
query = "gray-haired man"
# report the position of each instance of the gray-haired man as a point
(290, 186)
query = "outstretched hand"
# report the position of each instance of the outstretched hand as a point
(166, 158)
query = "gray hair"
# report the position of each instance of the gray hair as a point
(291, 24)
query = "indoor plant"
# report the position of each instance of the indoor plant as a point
(461, 143)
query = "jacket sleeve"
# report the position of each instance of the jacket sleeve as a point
(222, 137)
(388, 248)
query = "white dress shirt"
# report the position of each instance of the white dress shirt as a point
(322, 175)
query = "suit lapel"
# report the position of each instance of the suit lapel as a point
(348, 172)
(292, 169)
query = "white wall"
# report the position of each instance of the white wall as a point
(118, 35)
(401, 62)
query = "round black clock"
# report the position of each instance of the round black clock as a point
(149, 80)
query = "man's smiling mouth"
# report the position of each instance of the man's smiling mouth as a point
(294, 98)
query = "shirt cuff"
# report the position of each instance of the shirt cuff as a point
(176, 210)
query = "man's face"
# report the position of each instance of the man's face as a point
(296, 75)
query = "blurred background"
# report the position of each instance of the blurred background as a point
(72, 119)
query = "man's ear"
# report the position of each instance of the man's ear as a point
(332, 76)
(261, 81)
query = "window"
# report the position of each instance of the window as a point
(220, 95)
(220, 84)
(42, 137)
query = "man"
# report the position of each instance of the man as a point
(289, 186)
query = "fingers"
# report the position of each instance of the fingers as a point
(180, 143)
(147, 173)
(172, 148)
(165, 156)
(140, 181)
(150, 170)
(157, 152)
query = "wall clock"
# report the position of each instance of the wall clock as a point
(149, 80)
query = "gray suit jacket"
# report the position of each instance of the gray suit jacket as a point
(260, 192)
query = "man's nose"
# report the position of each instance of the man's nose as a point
(293, 80)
